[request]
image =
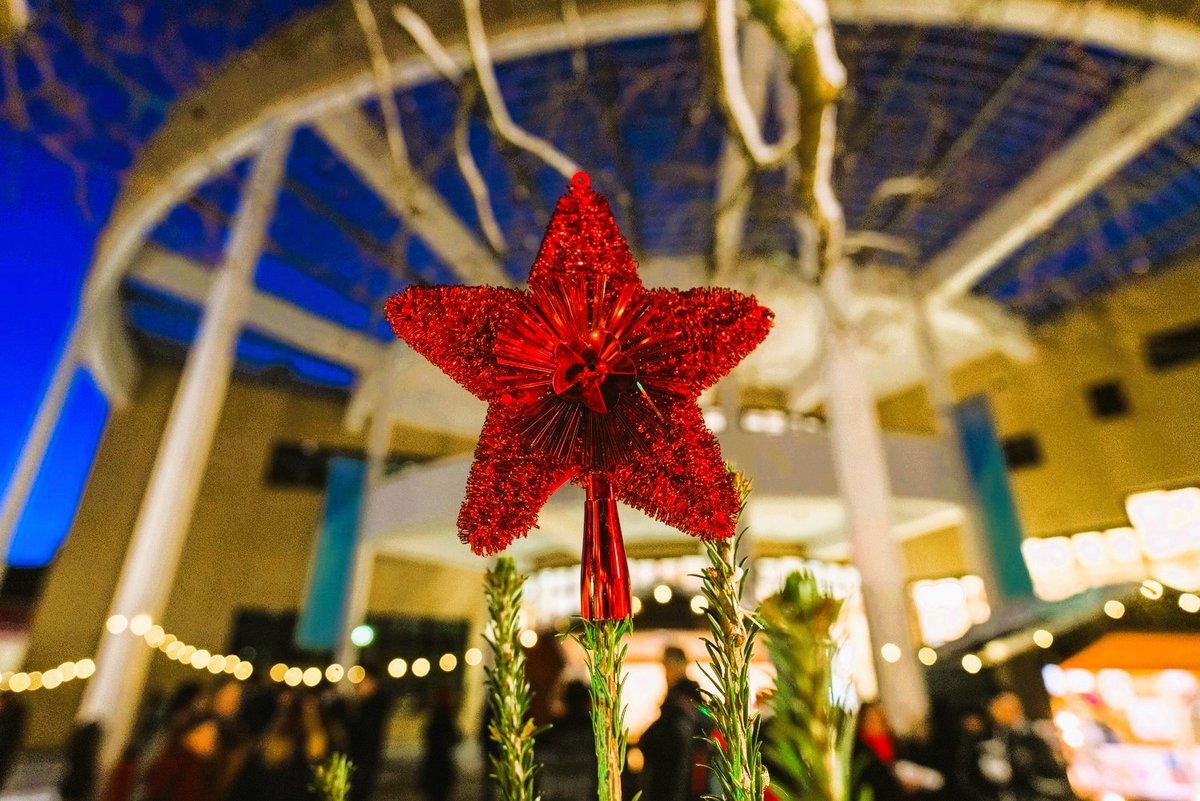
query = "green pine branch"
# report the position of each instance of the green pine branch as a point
(511, 727)
(331, 778)
(737, 761)
(811, 732)
(604, 649)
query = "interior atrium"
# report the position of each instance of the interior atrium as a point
(248, 354)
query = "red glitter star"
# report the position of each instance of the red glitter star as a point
(592, 378)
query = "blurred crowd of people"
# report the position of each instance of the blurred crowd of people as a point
(235, 741)
(240, 741)
(994, 754)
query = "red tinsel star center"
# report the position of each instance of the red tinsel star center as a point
(593, 371)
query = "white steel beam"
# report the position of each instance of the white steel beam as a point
(282, 321)
(156, 546)
(1136, 119)
(360, 143)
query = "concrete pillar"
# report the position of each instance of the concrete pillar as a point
(152, 558)
(861, 468)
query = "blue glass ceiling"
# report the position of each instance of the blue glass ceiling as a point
(971, 111)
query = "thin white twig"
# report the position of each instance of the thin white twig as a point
(733, 92)
(444, 63)
(481, 58)
(427, 40)
(473, 176)
(381, 72)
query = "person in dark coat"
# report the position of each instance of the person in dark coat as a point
(668, 746)
(967, 780)
(80, 764)
(369, 715)
(280, 769)
(1015, 763)
(567, 750)
(439, 772)
(183, 768)
(12, 729)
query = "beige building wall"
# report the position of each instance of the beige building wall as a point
(1090, 464)
(249, 545)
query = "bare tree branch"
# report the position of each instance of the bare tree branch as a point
(401, 164)
(481, 58)
(445, 64)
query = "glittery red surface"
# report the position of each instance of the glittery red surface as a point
(587, 373)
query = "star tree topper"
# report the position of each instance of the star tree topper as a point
(592, 378)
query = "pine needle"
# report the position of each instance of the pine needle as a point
(737, 761)
(511, 727)
(604, 649)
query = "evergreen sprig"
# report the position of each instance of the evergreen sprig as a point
(510, 726)
(737, 757)
(604, 649)
(331, 778)
(811, 732)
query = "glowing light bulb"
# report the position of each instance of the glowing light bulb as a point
(635, 605)
(473, 657)
(1114, 609)
(927, 656)
(356, 674)
(662, 593)
(243, 671)
(448, 662)
(529, 638)
(277, 671)
(200, 659)
(140, 624)
(334, 673)
(1043, 638)
(699, 604)
(972, 664)
(1189, 602)
(117, 624)
(19, 682)
(84, 668)
(890, 652)
(312, 677)
(362, 635)
(155, 636)
(69, 671)
(420, 667)
(293, 677)
(397, 668)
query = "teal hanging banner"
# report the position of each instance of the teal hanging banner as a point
(333, 557)
(998, 513)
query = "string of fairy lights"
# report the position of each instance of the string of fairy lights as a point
(174, 648)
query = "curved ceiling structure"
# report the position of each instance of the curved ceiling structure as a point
(950, 110)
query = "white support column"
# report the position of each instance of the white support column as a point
(152, 558)
(861, 468)
(33, 450)
(941, 398)
(358, 591)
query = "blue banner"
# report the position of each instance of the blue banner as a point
(997, 512)
(333, 556)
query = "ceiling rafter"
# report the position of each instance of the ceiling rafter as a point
(1137, 118)
(356, 139)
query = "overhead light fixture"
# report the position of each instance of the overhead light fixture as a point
(714, 419)
(763, 421)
